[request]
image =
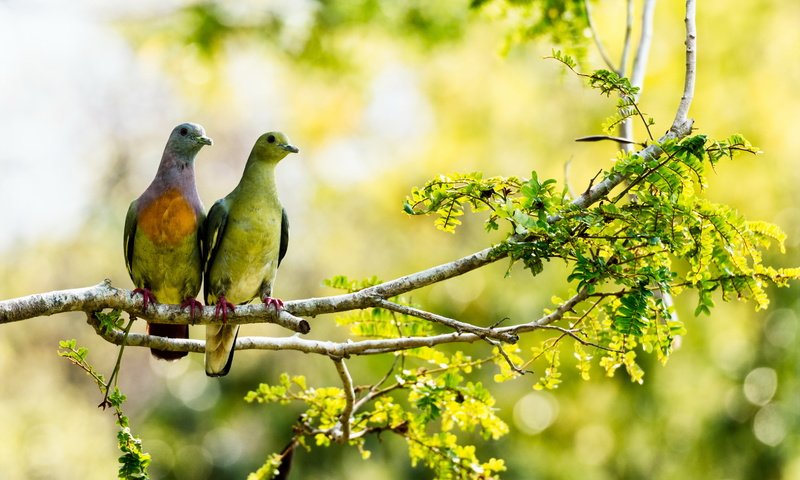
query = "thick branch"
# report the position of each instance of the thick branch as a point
(333, 349)
(103, 295)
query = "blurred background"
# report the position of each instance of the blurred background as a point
(379, 97)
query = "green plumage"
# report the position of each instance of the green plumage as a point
(247, 235)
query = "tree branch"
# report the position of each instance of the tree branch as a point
(596, 37)
(682, 115)
(103, 295)
(349, 397)
(328, 348)
(643, 49)
(455, 324)
(626, 45)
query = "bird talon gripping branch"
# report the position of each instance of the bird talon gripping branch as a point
(192, 304)
(222, 307)
(147, 297)
(275, 302)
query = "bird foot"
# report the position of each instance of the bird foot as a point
(222, 307)
(193, 304)
(275, 302)
(147, 296)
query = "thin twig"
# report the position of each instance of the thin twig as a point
(626, 44)
(505, 356)
(596, 37)
(555, 315)
(454, 324)
(115, 373)
(375, 390)
(643, 49)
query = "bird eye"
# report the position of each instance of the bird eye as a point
(271, 139)
(184, 131)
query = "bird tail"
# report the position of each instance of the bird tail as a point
(171, 331)
(219, 348)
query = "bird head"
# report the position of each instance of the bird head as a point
(188, 139)
(272, 147)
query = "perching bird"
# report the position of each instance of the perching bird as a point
(247, 234)
(163, 231)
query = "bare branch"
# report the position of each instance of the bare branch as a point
(682, 115)
(349, 397)
(643, 49)
(597, 41)
(455, 324)
(328, 348)
(368, 296)
(639, 66)
(554, 316)
(508, 360)
(103, 295)
(626, 44)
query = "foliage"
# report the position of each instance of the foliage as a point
(655, 235)
(560, 22)
(210, 25)
(427, 407)
(134, 461)
(652, 236)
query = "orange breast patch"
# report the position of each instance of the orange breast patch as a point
(168, 219)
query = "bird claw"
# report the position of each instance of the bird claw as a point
(275, 302)
(222, 307)
(147, 296)
(192, 304)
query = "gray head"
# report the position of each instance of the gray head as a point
(187, 139)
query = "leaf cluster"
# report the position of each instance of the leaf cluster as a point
(426, 407)
(653, 236)
(558, 22)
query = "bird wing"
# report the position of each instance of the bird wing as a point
(213, 231)
(131, 221)
(284, 236)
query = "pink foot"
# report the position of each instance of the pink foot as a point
(275, 302)
(193, 305)
(222, 307)
(147, 296)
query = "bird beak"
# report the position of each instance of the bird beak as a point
(204, 140)
(289, 148)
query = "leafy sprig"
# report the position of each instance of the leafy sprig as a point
(134, 460)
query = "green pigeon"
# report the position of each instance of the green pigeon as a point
(163, 234)
(247, 234)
